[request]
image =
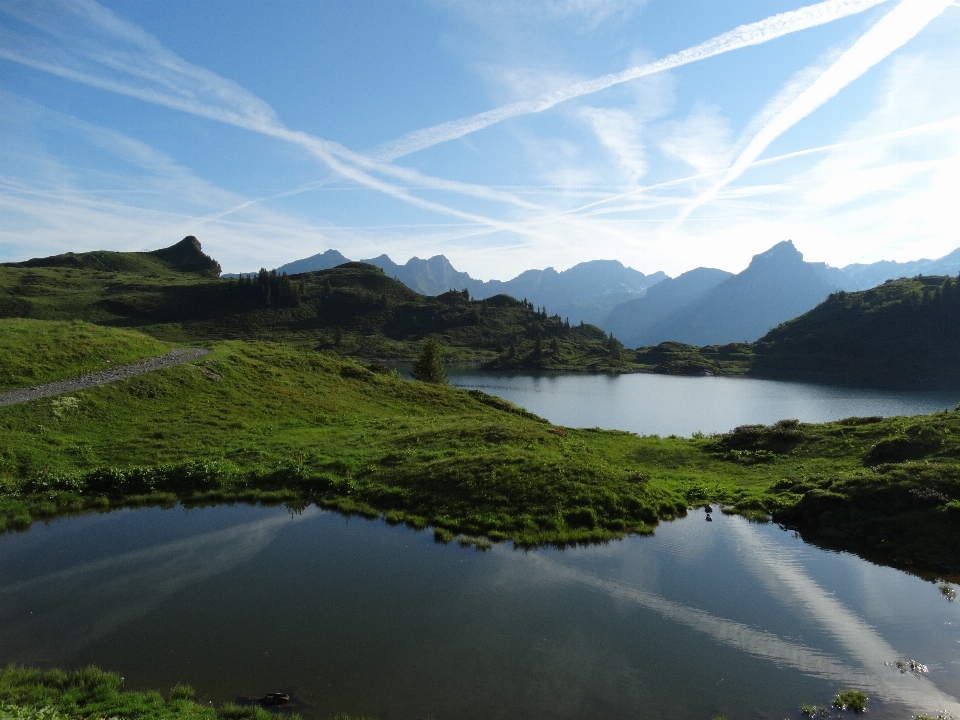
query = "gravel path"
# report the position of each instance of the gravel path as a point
(121, 372)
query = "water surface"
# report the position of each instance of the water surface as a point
(650, 404)
(356, 616)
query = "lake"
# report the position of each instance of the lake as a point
(356, 616)
(650, 404)
(702, 619)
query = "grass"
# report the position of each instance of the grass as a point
(32, 353)
(260, 422)
(93, 694)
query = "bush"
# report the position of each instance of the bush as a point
(854, 700)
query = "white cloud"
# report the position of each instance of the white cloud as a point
(701, 140)
(619, 132)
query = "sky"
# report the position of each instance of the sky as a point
(503, 134)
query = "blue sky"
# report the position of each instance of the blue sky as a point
(504, 134)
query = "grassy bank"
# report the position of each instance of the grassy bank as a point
(91, 693)
(273, 423)
(32, 352)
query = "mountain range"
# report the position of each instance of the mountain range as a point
(702, 306)
(584, 293)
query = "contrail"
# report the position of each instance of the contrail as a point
(740, 37)
(893, 31)
(172, 82)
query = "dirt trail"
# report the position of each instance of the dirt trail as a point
(121, 372)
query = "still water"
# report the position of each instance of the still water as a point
(356, 616)
(666, 405)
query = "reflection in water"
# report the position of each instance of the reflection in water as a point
(373, 620)
(756, 642)
(109, 593)
(861, 641)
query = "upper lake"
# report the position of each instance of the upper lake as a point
(650, 404)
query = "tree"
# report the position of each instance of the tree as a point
(538, 349)
(429, 366)
(614, 348)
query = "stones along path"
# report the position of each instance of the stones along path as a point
(121, 372)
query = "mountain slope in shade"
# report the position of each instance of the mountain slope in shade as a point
(777, 286)
(321, 261)
(865, 276)
(636, 322)
(433, 276)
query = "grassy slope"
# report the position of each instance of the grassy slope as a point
(272, 417)
(32, 353)
(258, 421)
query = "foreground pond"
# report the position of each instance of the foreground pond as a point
(357, 616)
(667, 405)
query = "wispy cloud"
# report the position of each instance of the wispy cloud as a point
(743, 36)
(891, 32)
(619, 132)
(701, 140)
(104, 51)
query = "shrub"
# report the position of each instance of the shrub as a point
(854, 700)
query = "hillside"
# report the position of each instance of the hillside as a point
(354, 308)
(185, 256)
(903, 333)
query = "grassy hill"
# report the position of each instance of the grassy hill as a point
(185, 256)
(38, 352)
(904, 333)
(355, 309)
(262, 422)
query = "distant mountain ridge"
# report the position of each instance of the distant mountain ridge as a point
(586, 292)
(778, 285)
(701, 306)
(873, 274)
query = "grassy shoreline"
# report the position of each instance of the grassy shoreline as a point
(90, 692)
(257, 422)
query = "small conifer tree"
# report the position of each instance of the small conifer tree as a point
(429, 366)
